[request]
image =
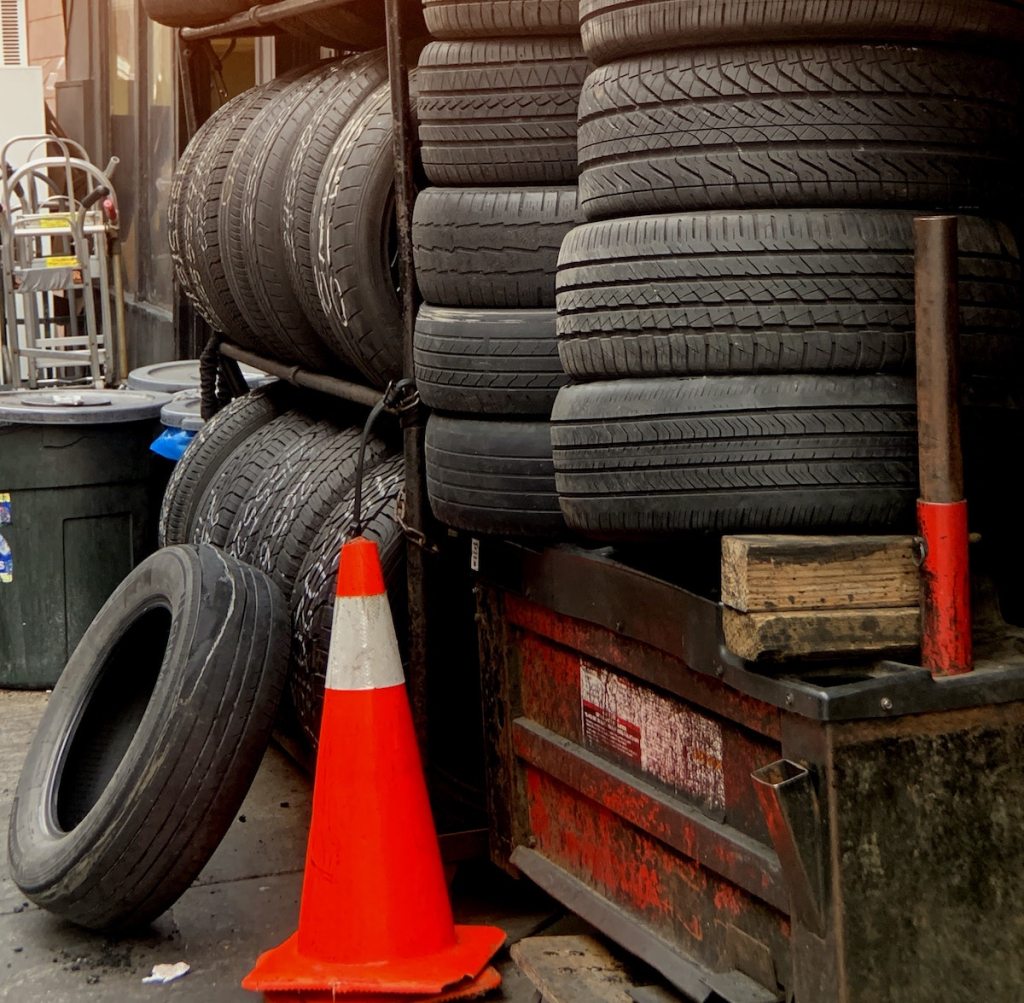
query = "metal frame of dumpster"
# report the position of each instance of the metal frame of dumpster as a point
(845, 833)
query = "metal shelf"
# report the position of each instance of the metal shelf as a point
(259, 20)
(296, 375)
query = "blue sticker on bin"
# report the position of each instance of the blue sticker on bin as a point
(5, 509)
(6, 563)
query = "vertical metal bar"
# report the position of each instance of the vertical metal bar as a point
(941, 511)
(185, 54)
(413, 423)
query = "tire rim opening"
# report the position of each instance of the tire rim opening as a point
(112, 716)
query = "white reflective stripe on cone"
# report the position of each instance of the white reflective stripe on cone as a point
(363, 653)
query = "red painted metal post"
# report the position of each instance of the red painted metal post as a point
(941, 510)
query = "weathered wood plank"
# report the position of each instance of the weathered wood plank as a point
(765, 573)
(572, 969)
(820, 632)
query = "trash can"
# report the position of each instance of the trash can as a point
(181, 419)
(79, 496)
(170, 377)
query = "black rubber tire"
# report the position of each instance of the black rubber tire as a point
(207, 253)
(290, 499)
(638, 458)
(492, 476)
(210, 448)
(250, 224)
(150, 739)
(272, 140)
(359, 77)
(193, 13)
(800, 125)
(316, 584)
(615, 28)
(483, 19)
(772, 291)
(500, 112)
(219, 505)
(353, 26)
(180, 200)
(495, 362)
(354, 240)
(495, 248)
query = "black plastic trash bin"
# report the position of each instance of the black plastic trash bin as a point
(79, 496)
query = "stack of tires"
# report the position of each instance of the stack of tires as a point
(497, 97)
(281, 220)
(737, 315)
(271, 480)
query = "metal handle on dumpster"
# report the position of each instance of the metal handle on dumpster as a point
(941, 510)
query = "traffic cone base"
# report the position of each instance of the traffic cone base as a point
(375, 917)
(487, 980)
(284, 968)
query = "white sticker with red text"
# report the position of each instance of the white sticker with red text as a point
(670, 742)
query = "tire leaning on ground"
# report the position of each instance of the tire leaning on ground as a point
(800, 125)
(150, 739)
(614, 28)
(492, 476)
(736, 454)
(211, 447)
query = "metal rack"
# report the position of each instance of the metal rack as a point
(59, 249)
(419, 529)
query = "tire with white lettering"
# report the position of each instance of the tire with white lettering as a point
(150, 739)
(288, 501)
(213, 444)
(361, 75)
(316, 584)
(354, 242)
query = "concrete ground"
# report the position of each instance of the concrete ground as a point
(245, 900)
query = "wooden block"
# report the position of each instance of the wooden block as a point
(764, 573)
(572, 969)
(820, 632)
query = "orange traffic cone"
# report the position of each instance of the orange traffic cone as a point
(375, 916)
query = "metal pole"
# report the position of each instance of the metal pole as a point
(413, 420)
(941, 510)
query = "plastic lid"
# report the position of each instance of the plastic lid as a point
(183, 411)
(73, 407)
(171, 377)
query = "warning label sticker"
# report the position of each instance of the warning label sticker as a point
(62, 261)
(6, 563)
(673, 744)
